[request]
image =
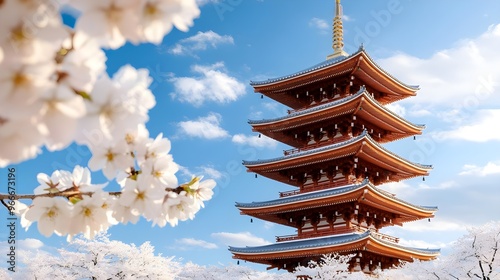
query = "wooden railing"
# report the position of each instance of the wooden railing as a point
(337, 231)
(386, 237)
(320, 186)
(317, 145)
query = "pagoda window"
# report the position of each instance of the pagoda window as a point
(323, 224)
(323, 178)
(309, 181)
(311, 141)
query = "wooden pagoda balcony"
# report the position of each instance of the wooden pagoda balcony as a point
(386, 237)
(312, 234)
(317, 145)
(328, 232)
(318, 187)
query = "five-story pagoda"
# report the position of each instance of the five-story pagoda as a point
(336, 125)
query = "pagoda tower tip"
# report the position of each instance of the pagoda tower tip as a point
(338, 33)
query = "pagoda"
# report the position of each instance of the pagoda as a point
(336, 125)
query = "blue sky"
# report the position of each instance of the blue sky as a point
(449, 48)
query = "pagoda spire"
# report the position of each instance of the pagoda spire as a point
(338, 33)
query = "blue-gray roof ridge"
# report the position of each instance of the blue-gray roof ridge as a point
(328, 63)
(301, 197)
(363, 135)
(312, 109)
(331, 104)
(307, 152)
(302, 243)
(322, 242)
(329, 192)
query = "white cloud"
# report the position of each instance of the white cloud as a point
(268, 225)
(240, 239)
(489, 169)
(207, 171)
(200, 42)
(211, 172)
(255, 141)
(318, 23)
(30, 243)
(436, 225)
(464, 76)
(213, 84)
(191, 242)
(422, 244)
(419, 113)
(479, 128)
(204, 127)
(400, 188)
(204, 2)
(397, 108)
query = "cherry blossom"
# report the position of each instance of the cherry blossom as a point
(27, 37)
(51, 214)
(89, 216)
(18, 145)
(81, 180)
(153, 148)
(124, 214)
(53, 183)
(161, 171)
(22, 86)
(141, 198)
(111, 158)
(156, 18)
(81, 62)
(202, 190)
(111, 22)
(54, 85)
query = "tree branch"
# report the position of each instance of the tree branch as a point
(57, 194)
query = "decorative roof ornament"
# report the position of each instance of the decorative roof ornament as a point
(338, 34)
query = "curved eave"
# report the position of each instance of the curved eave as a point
(340, 243)
(342, 65)
(368, 64)
(373, 196)
(311, 70)
(292, 247)
(373, 150)
(370, 107)
(383, 247)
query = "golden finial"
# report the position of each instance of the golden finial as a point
(338, 33)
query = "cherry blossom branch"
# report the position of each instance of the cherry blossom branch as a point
(57, 194)
(67, 194)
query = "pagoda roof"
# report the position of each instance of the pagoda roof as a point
(371, 109)
(359, 64)
(365, 193)
(319, 66)
(362, 146)
(337, 243)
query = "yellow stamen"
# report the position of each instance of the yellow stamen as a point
(87, 212)
(141, 196)
(110, 156)
(51, 213)
(17, 34)
(151, 10)
(20, 79)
